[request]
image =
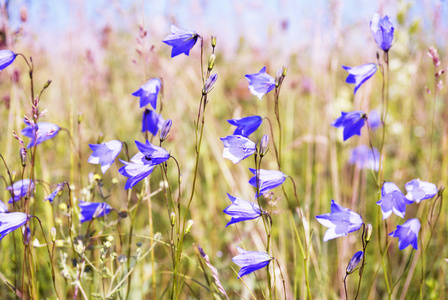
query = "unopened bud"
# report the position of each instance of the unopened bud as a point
(285, 70)
(173, 218)
(23, 156)
(100, 138)
(47, 84)
(354, 262)
(369, 230)
(211, 62)
(166, 127)
(189, 225)
(80, 118)
(264, 145)
(26, 235)
(209, 84)
(213, 41)
(53, 234)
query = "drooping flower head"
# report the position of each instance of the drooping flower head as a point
(250, 261)
(39, 132)
(90, 210)
(152, 155)
(181, 40)
(260, 83)
(359, 75)
(241, 210)
(105, 154)
(56, 191)
(148, 92)
(383, 31)
(237, 148)
(392, 200)
(245, 126)
(352, 122)
(339, 222)
(420, 190)
(135, 170)
(20, 189)
(356, 259)
(407, 234)
(364, 158)
(6, 58)
(11, 221)
(268, 179)
(374, 120)
(151, 121)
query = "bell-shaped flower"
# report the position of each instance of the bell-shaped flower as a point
(359, 75)
(420, 190)
(3, 207)
(237, 148)
(242, 210)
(91, 210)
(152, 155)
(267, 180)
(56, 191)
(352, 122)
(11, 221)
(39, 132)
(407, 234)
(151, 121)
(374, 120)
(340, 221)
(392, 200)
(148, 92)
(356, 259)
(250, 261)
(181, 40)
(135, 170)
(20, 189)
(245, 126)
(365, 158)
(260, 83)
(383, 31)
(105, 153)
(6, 58)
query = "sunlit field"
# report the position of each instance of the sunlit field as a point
(169, 154)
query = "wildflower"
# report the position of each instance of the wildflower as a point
(237, 148)
(136, 170)
(267, 180)
(152, 155)
(241, 210)
(56, 191)
(20, 189)
(365, 158)
(420, 190)
(151, 121)
(3, 207)
(105, 154)
(250, 261)
(39, 132)
(208, 86)
(392, 200)
(245, 126)
(374, 120)
(407, 234)
(181, 40)
(354, 262)
(90, 210)
(6, 58)
(11, 221)
(264, 145)
(383, 31)
(148, 92)
(165, 131)
(260, 83)
(352, 122)
(358, 75)
(339, 222)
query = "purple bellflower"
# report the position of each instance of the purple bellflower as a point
(392, 200)
(374, 120)
(181, 40)
(3, 207)
(260, 83)
(105, 153)
(151, 121)
(245, 126)
(359, 75)
(420, 190)
(56, 191)
(364, 158)
(148, 92)
(39, 132)
(11, 221)
(20, 189)
(356, 259)
(352, 122)
(383, 31)
(339, 222)
(241, 210)
(6, 58)
(152, 155)
(135, 170)
(407, 234)
(250, 261)
(268, 179)
(237, 148)
(90, 210)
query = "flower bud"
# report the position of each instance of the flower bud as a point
(211, 62)
(369, 230)
(189, 225)
(53, 234)
(47, 84)
(213, 41)
(80, 118)
(166, 127)
(209, 84)
(354, 262)
(264, 145)
(26, 235)
(23, 153)
(173, 218)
